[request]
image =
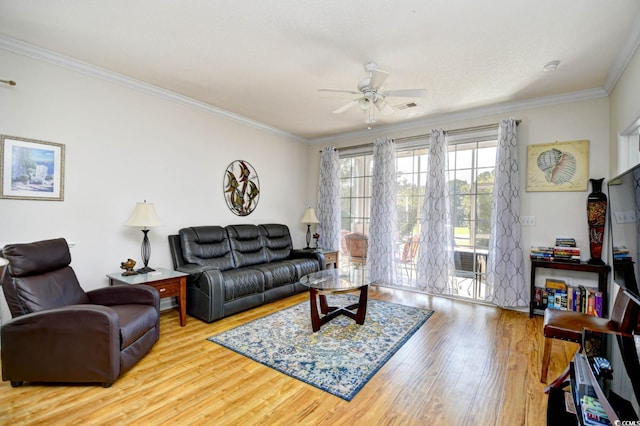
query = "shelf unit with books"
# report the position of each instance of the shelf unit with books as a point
(601, 270)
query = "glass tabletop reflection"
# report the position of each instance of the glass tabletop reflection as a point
(329, 280)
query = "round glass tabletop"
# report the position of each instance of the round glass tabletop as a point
(329, 279)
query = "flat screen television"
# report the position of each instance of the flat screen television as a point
(624, 226)
(623, 351)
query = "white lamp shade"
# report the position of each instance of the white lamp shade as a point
(144, 215)
(309, 216)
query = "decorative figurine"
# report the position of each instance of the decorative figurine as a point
(128, 267)
(316, 237)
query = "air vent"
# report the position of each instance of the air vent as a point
(408, 105)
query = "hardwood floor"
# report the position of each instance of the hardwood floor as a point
(468, 365)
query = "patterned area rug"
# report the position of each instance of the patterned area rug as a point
(341, 357)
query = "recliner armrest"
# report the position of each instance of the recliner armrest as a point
(195, 271)
(50, 345)
(125, 295)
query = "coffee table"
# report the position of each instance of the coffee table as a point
(331, 281)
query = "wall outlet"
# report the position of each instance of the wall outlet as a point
(528, 220)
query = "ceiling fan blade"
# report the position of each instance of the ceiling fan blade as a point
(384, 107)
(352, 92)
(347, 106)
(407, 93)
(377, 79)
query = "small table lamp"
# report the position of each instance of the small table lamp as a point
(144, 215)
(309, 218)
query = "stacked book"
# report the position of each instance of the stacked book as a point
(541, 253)
(621, 253)
(566, 250)
(558, 295)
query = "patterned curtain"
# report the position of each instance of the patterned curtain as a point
(506, 285)
(383, 223)
(329, 199)
(436, 267)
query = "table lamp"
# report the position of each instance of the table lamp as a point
(144, 215)
(309, 218)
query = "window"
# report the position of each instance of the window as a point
(470, 177)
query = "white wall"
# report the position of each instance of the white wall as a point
(625, 108)
(123, 146)
(556, 213)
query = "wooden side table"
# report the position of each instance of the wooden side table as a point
(331, 258)
(168, 283)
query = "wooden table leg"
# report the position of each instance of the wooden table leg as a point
(182, 301)
(361, 313)
(315, 317)
(324, 308)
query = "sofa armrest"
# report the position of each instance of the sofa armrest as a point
(125, 294)
(309, 254)
(193, 269)
(74, 343)
(205, 291)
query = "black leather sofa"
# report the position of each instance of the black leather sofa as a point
(238, 267)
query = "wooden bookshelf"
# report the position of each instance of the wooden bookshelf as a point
(601, 270)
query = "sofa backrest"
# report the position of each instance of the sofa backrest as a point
(246, 245)
(207, 246)
(277, 241)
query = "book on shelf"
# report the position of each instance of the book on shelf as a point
(558, 295)
(565, 242)
(621, 253)
(566, 254)
(557, 253)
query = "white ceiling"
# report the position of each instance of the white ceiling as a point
(265, 59)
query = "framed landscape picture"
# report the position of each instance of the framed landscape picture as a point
(558, 166)
(31, 169)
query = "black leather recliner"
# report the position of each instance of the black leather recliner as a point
(59, 332)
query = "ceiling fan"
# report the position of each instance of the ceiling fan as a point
(370, 93)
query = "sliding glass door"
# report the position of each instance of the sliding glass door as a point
(470, 179)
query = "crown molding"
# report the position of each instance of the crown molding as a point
(38, 53)
(440, 119)
(624, 57)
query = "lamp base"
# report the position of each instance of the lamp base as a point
(145, 270)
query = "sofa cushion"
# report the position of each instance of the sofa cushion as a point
(246, 245)
(277, 274)
(207, 246)
(277, 241)
(242, 282)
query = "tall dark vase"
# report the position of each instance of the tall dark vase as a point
(596, 216)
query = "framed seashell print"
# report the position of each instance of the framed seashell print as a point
(558, 166)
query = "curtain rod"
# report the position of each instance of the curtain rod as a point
(427, 135)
